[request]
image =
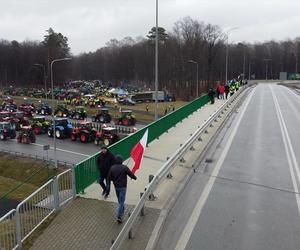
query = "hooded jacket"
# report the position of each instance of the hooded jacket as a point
(118, 173)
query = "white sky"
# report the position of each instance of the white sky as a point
(89, 24)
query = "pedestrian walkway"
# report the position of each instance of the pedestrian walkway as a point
(89, 222)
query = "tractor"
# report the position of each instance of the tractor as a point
(26, 135)
(102, 116)
(84, 132)
(126, 118)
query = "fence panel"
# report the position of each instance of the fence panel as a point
(86, 171)
(36, 208)
(8, 231)
(65, 187)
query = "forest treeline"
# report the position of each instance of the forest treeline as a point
(131, 61)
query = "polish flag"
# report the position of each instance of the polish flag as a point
(138, 151)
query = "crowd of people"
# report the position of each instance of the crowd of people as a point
(224, 91)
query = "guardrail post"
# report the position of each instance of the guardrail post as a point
(18, 229)
(151, 196)
(73, 182)
(143, 208)
(130, 231)
(55, 193)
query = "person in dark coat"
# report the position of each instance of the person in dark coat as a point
(118, 175)
(211, 95)
(105, 160)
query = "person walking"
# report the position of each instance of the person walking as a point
(226, 90)
(118, 175)
(104, 162)
(221, 90)
(211, 95)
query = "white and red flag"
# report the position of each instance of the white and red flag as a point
(138, 151)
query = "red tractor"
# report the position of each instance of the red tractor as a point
(84, 132)
(107, 136)
(26, 135)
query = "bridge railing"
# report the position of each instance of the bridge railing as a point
(165, 170)
(86, 171)
(17, 225)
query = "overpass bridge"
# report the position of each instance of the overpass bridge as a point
(236, 188)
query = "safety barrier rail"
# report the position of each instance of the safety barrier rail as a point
(165, 170)
(87, 172)
(17, 225)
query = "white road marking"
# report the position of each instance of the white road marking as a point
(292, 161)
(63, 150)
(189, 227)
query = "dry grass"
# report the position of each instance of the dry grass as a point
(14, 171)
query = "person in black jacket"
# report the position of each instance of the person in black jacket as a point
(118, 175)
(105, 160)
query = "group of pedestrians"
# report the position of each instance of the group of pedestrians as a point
(223, 91)
(111, 168)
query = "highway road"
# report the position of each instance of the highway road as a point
(245, 194)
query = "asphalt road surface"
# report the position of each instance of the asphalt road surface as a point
(247, 195)
(66, 150)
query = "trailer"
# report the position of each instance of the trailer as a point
(148, 96)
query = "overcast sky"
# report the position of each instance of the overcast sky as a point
(89, 24)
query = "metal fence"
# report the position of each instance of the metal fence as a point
(17, 225)
(165, 170)
(87, 172)
(36, 157)
(8, 238)
(125, 130)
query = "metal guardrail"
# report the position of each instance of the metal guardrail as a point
(8, 238)
(17, 225)
(36, 157)
(165, 170)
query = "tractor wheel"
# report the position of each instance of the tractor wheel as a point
(73, 137)
(58, 134)
(125, 122)
(106, 142)
(49, 133)
(83, 138)
(36, 130)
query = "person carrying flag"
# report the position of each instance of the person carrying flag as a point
(118, 175)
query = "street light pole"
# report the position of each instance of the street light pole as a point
(266, 60)
(45, 77)
(156, 64)
(226, 63)
(53, 118)
(244, 63)
(197, 77)
(249, 75)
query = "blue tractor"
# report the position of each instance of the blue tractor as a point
(63, 128)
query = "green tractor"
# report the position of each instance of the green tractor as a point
(39, 125)
(61, 111)
(126, 118)
(79, 113)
